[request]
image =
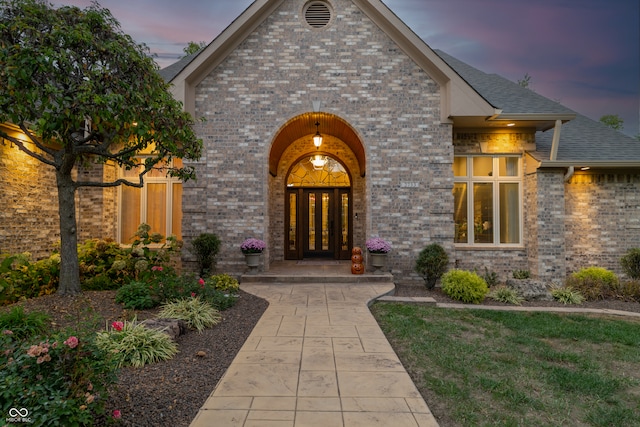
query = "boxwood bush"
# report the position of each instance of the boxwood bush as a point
(464, 286)
(431, 264)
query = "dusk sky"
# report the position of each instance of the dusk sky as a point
(584, 54)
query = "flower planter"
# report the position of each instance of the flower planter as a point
(378, 261)
(253, 261)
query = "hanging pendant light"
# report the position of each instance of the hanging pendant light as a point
(317, 139)
(318, 161)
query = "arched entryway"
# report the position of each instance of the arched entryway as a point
(318, 209)
(316, 194)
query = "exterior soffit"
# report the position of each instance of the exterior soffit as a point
(304, 125)
(458, 97)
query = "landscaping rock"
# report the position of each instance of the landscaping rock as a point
(172, 327)
(530, 289)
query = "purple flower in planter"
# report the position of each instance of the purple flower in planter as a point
(376, 245)
(253, 246)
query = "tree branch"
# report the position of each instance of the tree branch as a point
(36, 142)
(115, 183)
(23, 148)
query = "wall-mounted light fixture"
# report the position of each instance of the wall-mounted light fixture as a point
(317, 139)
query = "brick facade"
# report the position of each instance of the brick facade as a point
(360, 76)
(29, 205)
(354, 72)
(602, 219)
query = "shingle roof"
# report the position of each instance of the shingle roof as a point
(168, 73)
(504, 94)
(581, 139)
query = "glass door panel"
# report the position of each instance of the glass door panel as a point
(326, 229)
(317, 223)
(293, 221)
(344, 222)
(311, 208)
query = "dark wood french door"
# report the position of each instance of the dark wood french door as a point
(318, 223)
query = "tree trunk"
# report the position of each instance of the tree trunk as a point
(69, 265)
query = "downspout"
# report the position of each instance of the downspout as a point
(570, 171)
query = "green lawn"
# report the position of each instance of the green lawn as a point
(501, 368)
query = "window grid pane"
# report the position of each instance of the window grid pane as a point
(157, 208)
(460, 213)
(483, 212)
(130, 213)
(483, 166)
(509, 213)
(176, 211)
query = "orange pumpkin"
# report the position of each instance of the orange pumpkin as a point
(357, 267)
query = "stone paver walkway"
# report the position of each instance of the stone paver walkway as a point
(317, 357)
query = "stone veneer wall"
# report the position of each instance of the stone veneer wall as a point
(602, 219)
(357, 74)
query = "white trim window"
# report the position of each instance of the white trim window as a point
(487, 195)
(158, 203)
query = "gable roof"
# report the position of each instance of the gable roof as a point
(583, 141)
(470, 97)
(458, 98)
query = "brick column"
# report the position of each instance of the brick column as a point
(547, 252)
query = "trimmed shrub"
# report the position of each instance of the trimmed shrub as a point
(594, 283)
(506, 295)
(133, 344)
(431, 264)
(464, 286)
(631, 263)
(197, 313)
(567, 295)
(205, 247)
(22, 278)
(224, 283)
(136, 296)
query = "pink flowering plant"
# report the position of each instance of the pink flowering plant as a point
(376, 245)
(253, 246)
(62, 378)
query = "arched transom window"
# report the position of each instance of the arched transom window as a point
(318, 171)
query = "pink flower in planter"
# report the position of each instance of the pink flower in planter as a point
(156, 268)
(201, 282)
(117, 326)
(72, 342)
(116, 414)
(193, 294)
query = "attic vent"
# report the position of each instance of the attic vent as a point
(317, 15)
